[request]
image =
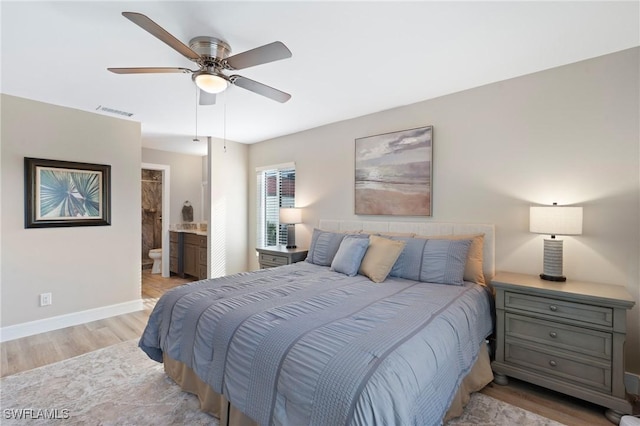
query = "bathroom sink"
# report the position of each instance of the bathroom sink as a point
(195, 227)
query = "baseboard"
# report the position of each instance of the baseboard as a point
(17, 331)
(632, 383)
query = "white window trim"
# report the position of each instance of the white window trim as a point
(260, 206)
(276, 167)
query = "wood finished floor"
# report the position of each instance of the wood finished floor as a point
(46, 348)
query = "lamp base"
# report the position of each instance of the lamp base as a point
(291, 236)
(552, 265)
(553, 277)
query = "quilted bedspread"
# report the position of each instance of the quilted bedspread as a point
(302, 345)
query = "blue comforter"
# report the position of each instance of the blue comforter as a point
(302, 345)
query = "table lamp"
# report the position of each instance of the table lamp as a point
(290, 216)
(554, 220)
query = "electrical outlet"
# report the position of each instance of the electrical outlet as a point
(45, 299)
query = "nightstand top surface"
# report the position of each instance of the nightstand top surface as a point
(578, 289)
(282, 249)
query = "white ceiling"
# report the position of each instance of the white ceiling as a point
(349, 59)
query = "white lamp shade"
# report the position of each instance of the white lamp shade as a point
(290, 216)
(211, 83)
(555, 220)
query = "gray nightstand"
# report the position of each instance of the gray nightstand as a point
(272, 256)
(566, 336)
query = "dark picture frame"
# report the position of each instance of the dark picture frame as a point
(394, 173)
(66, 193)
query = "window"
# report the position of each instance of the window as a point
(276, 187)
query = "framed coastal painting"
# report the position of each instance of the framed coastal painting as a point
(65, 193)
(394, 173)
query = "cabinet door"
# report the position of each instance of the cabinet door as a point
(191, 258)
(203, 272)
(173, 265)
(203, 256)
(173, 257)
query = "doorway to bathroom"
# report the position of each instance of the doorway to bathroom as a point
(155, 218)
(151, 218)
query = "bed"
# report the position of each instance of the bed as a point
(384, 323)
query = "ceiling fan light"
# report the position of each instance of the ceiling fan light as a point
(211, 83)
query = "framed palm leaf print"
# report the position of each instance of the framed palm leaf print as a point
(66, 193)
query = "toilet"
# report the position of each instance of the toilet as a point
(156, 255)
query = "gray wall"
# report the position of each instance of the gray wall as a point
(568, 135)
(228, 220)
(83, 267)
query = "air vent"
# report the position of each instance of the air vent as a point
(114, 111)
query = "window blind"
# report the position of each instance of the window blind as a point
(276, 187)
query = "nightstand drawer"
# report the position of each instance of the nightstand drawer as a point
(273, 259)
(592, 373)
(577, 312)
(563, 336)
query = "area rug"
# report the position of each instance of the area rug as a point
(120, 385)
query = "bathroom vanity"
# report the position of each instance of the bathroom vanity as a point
(188, 255)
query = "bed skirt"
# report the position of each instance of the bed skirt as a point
(218, 406)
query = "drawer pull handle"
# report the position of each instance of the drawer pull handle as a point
(553, 363)
(553, 308)
(553, 334)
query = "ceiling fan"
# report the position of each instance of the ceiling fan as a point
(212, 56)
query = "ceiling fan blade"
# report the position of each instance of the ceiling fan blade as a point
(260, 55)
(259, 88)
(156, 30)
(207, 98)
(156, 70)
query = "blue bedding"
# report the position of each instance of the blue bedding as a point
(303, 345)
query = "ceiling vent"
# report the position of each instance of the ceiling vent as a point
(114, 111)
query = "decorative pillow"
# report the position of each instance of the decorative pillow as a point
(473, 268)
(396, 234)
(443, 261)
(380, 258)
(408, 263)
(323, 247)
(349, 255)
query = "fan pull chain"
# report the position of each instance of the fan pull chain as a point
(224, 126)
(195, 139)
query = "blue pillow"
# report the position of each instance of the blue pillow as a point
(434, 261)
(349, 255)
(408, 263)
(323, 247)
(443, 261)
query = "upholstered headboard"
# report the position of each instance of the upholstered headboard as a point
(426, 229)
